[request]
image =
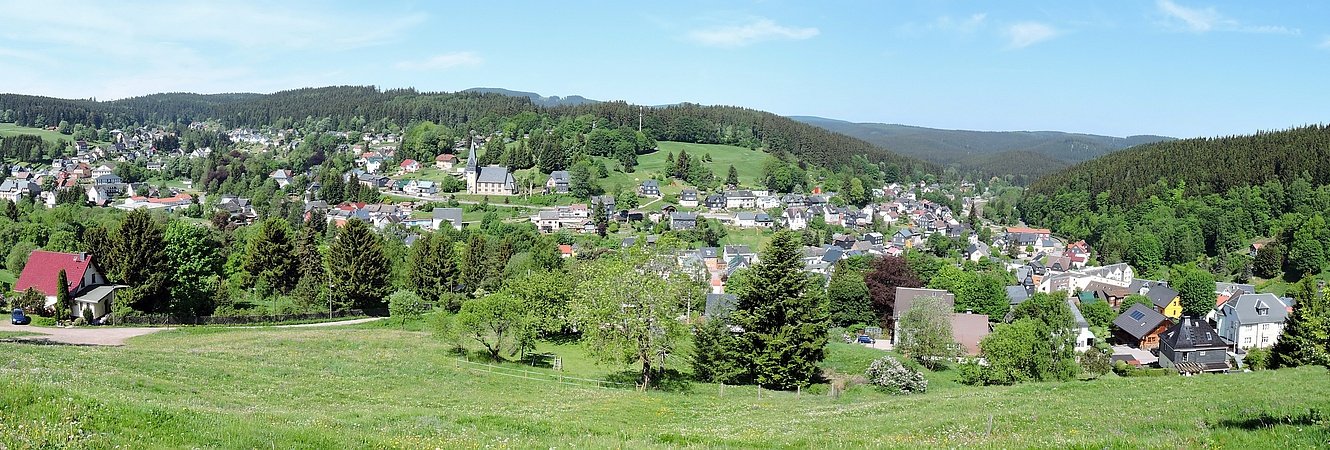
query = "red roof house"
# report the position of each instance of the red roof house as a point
(86, 284)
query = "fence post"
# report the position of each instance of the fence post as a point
(797, 390)
(759, 392)
(722, 389)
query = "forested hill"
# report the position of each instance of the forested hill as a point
(1025, 154)
(537, 99)
(345, 107)
(1203, 165)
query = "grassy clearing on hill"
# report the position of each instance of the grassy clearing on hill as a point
(380, 386)
(747, 162)
(7, 277)
(10, 129)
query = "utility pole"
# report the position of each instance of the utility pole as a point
(639, 119)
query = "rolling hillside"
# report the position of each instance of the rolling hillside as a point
(537, 99)
(1205, 165)
(1027, 153)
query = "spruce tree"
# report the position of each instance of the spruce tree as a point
(732, 178)
(269, 256)
(309, 261)
(1306, 332)
(783, 313)
(358, 267)
(473, 264)
(141, 262)
(433, 266)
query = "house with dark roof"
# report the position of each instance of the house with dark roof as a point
(558, 182)
(649, 188)
(1165, 298)
(1251, 320)
(1193, 346)
(683, 221)
(1017, 294)
(714, 201)
(688, 198)
(1140, 326)
(87, 287)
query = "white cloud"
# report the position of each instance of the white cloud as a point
(444, 62)
(1025, 34)
(1201, 20)
(966, 25)
(758, 30)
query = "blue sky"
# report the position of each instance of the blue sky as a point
(1175, 67)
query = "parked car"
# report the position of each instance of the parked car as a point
(18, 318)
(865, 339)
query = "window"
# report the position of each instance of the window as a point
(1246, 340)
(1265, 340)
(1137, 315)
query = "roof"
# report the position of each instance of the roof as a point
(494, 174)
(450, 214)
(1248, 309)
(1161, 295)
(650, 183)
(1139, 320)
(43, 268)
(1076, 314)
(560, 176)
(905, 298)
(1192, 334)
(1017, 294)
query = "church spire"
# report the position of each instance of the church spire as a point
(471, 159)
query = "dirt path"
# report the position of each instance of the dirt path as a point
(327, 324)
(79, 336)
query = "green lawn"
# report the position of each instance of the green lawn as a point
(10, 129)
(747, 162)
(377, 386)
(7, 277)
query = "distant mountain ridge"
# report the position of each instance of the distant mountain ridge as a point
(1027, 154)
(537, 99)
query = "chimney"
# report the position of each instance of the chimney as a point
(83, 256)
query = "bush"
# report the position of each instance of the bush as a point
(405, 305)
(969, 372)
(1257, 359)
(1095, 362)
(890, 376)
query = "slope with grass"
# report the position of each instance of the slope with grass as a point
(9, 129)
(747, 162)
(378, 386)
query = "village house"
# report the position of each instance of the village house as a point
(795, 218)
(450, 216)
(409, 166)
(1193, 346)
(558, 182)
(445, 161)
(649, 188)
(15, 190)
(87, 287)
(683, 221)
(1251, 320)
(688, 198)
(1140, 327)
(714, 201)
(283, 177)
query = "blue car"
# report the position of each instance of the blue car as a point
(865, 339)
(18, 318)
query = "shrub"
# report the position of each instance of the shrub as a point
(404, 305)
(969, 372)
(889, 375)
(1095, 362)
(1257, 359)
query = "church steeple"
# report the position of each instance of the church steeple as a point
(471, 159)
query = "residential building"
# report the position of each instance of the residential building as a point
(1251, 320)
(1193, 346)
(688, 198)
(87, 287)
(445, 161)
(649, 188)
(1140, 327)
(557, 182)
(683, 221)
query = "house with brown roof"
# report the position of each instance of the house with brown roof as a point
(1140, 326)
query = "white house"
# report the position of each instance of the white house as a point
(1251, 320)
(1084, 338)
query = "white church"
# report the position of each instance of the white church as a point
(488, 180)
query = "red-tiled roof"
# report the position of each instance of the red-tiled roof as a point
(409, 162)
(44, 267)
(565, 249)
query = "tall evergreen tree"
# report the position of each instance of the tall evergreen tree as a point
(473, 263)
(61, 295)
(600, 216)
(141, 262)
(1306, 331)
(732, 177)
(358, 267)
(309, 262)
(269, 257)
(433, 266)
(783, 313)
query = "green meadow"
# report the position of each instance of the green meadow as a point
(381, 386)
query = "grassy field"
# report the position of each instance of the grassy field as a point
(10, 129)
(7, 277)
(376, 386)
(747, 162)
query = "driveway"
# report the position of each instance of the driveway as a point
(80, 335)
